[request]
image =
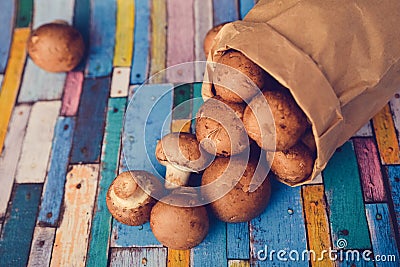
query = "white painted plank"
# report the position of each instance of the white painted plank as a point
(42, 244)
(317, 180)
(11, 153)
(120, 82)
(365, 131)
(37, 142)
(50, 10)
(395, 107)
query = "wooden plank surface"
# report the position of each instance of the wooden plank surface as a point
(82, 24)
(394, 104)
(53, 191)
(90, 122)
(36, 148)
(238, 241)
(365, 131)
(224, 14)
(17, 232)
(182, 108)
(178, 258)
(244, 7)
(124, 33)
(393, 173)
(149, 257)
(24, 13)
(42, 245)
(354, 262)
(120, 82)
(60, 10)
(197, 102)
(203, 16)
(238, 263)
(72, 236)
(7, 21)
(72, 93)
(12, 79)
(101, 223)
(343, 190)
(11, 152)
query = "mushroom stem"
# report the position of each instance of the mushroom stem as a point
(129, 202)
(175, 177)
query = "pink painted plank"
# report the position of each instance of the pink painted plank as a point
(370, 170)
(72, 93)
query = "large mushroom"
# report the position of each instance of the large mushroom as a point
(129, 198)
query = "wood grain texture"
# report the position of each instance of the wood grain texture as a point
(12, 79)
(132, 236)
(197, 101)
(180, 40)
(149, 257)
(354, 262)
(24, 13)
(141, 48)
(365, 131)
(124, 33)
(89, 130)
(42, 245)
(317, 225)
(386, 136)
(393, 173)
(225, 11)
(81, 22)
(101, 224)
(72, 236)
(53, 191)
(280, 226)
(102, 38)
(60, 10)
(370, 170)
(7, 17)
(182, 102)
(120, 82)
(238, 241)
(244, 7)
(238, 263)
(382, 234)
(178, 258)
(17, 232)
(203, 21)
(72, 93)
(11, 152)
(343, 190)
(32, 166)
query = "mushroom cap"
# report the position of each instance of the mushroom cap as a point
(183, 151)
(219, 127)
(178, 227)
(236, 78)
(249, 196)
(286, 126)
(208, 40)
(127, 202)
(56, 47)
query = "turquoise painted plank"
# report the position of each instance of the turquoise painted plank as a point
(225, 11)
(394, 184)
(149, 257)
(90, 122)
(279, 227)
(133, 236)
(197, 102)
(382, 235)
(238, 241)
(212, 251)
(343, 190)
(17, 232)
(182, 102)
(245, 6)
(53, 194)
(101, 223)
(140, 59)
(24, 13)
(7, 8)
(81, 22)
(353, 261)
(102, 38)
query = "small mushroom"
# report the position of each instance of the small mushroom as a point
(129, 198)
(178, 221)
(208, 40)
(181, 154)
(56, 47)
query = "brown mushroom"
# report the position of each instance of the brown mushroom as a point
(309, 140)
(208, 40)
(178, 221)
(128, 202)
(56, 47)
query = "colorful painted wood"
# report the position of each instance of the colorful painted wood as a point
(365, 131)
(343, 188)
(72, 236)
(237, 241)
(393, 173)
(72, 93)
(124, 33)
(203, 23)
(101, 224)
(120, 82)
(90, 122)
(149, 257)
(370, 170)
(82, 23)
(224, 14)
(17, 232)
(178, 258)
(11, 152)
(49, 214)
(7, 17)
(60, 10)
(32, 165)
(197, 101)
(238, 263)
(24, 13)
(353, 262)
(182, 109)
(244, 7)
(42, 245)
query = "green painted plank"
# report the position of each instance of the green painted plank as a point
(182, 103)
(17, 232)
(24, 13)
(81, 22)
(197, 102)
(101, 224)
(343, 190)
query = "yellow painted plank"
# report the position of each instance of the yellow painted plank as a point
(124, 33)
(12, 79)
(317, 223)
(72, 236)
(238, 263)
(158, 40)
(181, 125)
(386, 136)
(178, 258)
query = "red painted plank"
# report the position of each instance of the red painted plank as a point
(72, 93)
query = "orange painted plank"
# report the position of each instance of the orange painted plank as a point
(178, 258)
(238, 263)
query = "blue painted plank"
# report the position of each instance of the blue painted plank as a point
(7, 8)
(279, 227)
(133, 236)
(197, 102)
(238, 241)
(225, 11)
(212, 251)
(101, 223)
(89, 130)
(81, 22)
(102, 37)
(353, 261)
(17, 232)
(245, 6)
(54, 186)
(382, 235)
(140, 59)
(394, 184)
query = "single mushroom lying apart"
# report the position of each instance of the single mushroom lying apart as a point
(208, 40)
(127, 202)
(177, 220)
(181, 154)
